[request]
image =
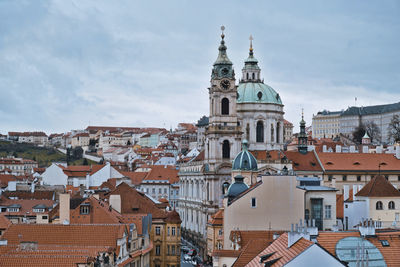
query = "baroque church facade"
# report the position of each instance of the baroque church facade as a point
(249, 110)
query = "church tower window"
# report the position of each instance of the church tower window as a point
(225, 106)
(226, 149)
(253, 76)
(278, 126)
(272, 133)
(260, 132)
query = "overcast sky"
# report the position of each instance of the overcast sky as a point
(67, 64)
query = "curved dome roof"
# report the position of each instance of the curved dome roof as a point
(237, 187)
(244, 161)
(257, 92)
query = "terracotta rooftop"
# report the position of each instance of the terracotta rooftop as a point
(25, 205)
(135, 202)
(136, 177)
(4, 222)
(217, 218)
(304, 162)
(250, 251)
(249, 235)
(281, 251)
(5, 178)
(29, 195)
(56, 234)
(378, 187)
(226, 253)
(173, 217)
(358, 161)
(161, 172)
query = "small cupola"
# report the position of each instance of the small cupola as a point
(245, 161)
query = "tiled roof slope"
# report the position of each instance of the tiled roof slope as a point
(251, 250)
(378, 187)
(4, 222)
(56, 234)
(135, 202)
(161, 172)
(136, 177)
(358, 161)
(304, 162)
(173, 217)
(280, 247)
(29, 195)
(217, 218)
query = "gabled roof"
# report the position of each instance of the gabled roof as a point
(281, 253)
(161, 172)
(4, 222)
(358, 161)
(29, 195)
(251, 250)
(304, 162)
(136, 177)
(135, 202)
(217, 218)
(57, 234)
(378, 187)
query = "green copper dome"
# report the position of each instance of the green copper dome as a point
(257, 92)
(236, 188)
(245, 161)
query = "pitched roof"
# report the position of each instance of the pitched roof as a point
(378, 109)
(358, 161)
(136, 177)
(58, 234)
(173, 217)
(378, 187)
(26, 205)
(161, 172)
(29, 195)
(304, 162)
(282, 253)
(4, 222)
(251, 250)
(135, 202)
(217, 218)
(5, 178)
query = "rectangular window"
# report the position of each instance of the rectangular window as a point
(398, 178)
(158, 230)
(328, 211)
(253, 202)
(173, 230)
(158, 250)
(344, 177)
(85, 209)
(177, 230)
(173, 250)
(358, 178)
(330, 177)
(168, 231)
(167, 249)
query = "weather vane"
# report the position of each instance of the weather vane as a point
(251, 43)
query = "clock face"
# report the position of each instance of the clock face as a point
(225, 84)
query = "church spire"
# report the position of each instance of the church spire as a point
(222, 66)
(302, 138)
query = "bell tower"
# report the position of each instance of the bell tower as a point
(223, 133)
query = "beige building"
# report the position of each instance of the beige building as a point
(287, 131)
(326, 124)
(215, 237)
(80, 139)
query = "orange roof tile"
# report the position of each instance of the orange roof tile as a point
(161, 172)
(280, 247)
(378, 187)
(304, 162)
(4, 222)
(358, 161)
(251, 250)
(217, 218)
(136, 177)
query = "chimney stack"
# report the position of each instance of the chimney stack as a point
(115, 202)
(64, 208)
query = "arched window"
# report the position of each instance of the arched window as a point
(225, 187)
(272, 133)
(260, 132)
(225, 106)
(379, 205)
(226, 150)
(278, 126)
(253, 76)
(247, 76)
(391, 205)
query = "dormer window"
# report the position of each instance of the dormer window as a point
(85, 209)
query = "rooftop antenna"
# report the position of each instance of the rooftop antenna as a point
(355, 101)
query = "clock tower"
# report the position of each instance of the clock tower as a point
(223, 135)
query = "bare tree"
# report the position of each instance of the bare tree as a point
(394, 128)
(373, 131)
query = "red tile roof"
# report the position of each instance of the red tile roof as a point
(304, 162)
(161, 172)
(358, 161)
(378, 187)
(251, 250)
(4, 222)
(136, 177)
(282, 252)
(217, 218)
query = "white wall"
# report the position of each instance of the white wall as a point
(314, 256)
(54, 175)
(104, 174)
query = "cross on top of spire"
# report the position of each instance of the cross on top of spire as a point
(222, 30)
(251, 45)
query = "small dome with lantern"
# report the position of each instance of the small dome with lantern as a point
(236, 188)
(245, 161)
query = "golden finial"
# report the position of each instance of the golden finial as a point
(222, 29)
(302, 113)
(251, 42)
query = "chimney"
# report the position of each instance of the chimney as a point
(115, 202)
(64, 208)
(398, 151)
(324, 149)
(379, 149)
(345, 192)
(338, 149)
(365, 149)
(87, 180)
